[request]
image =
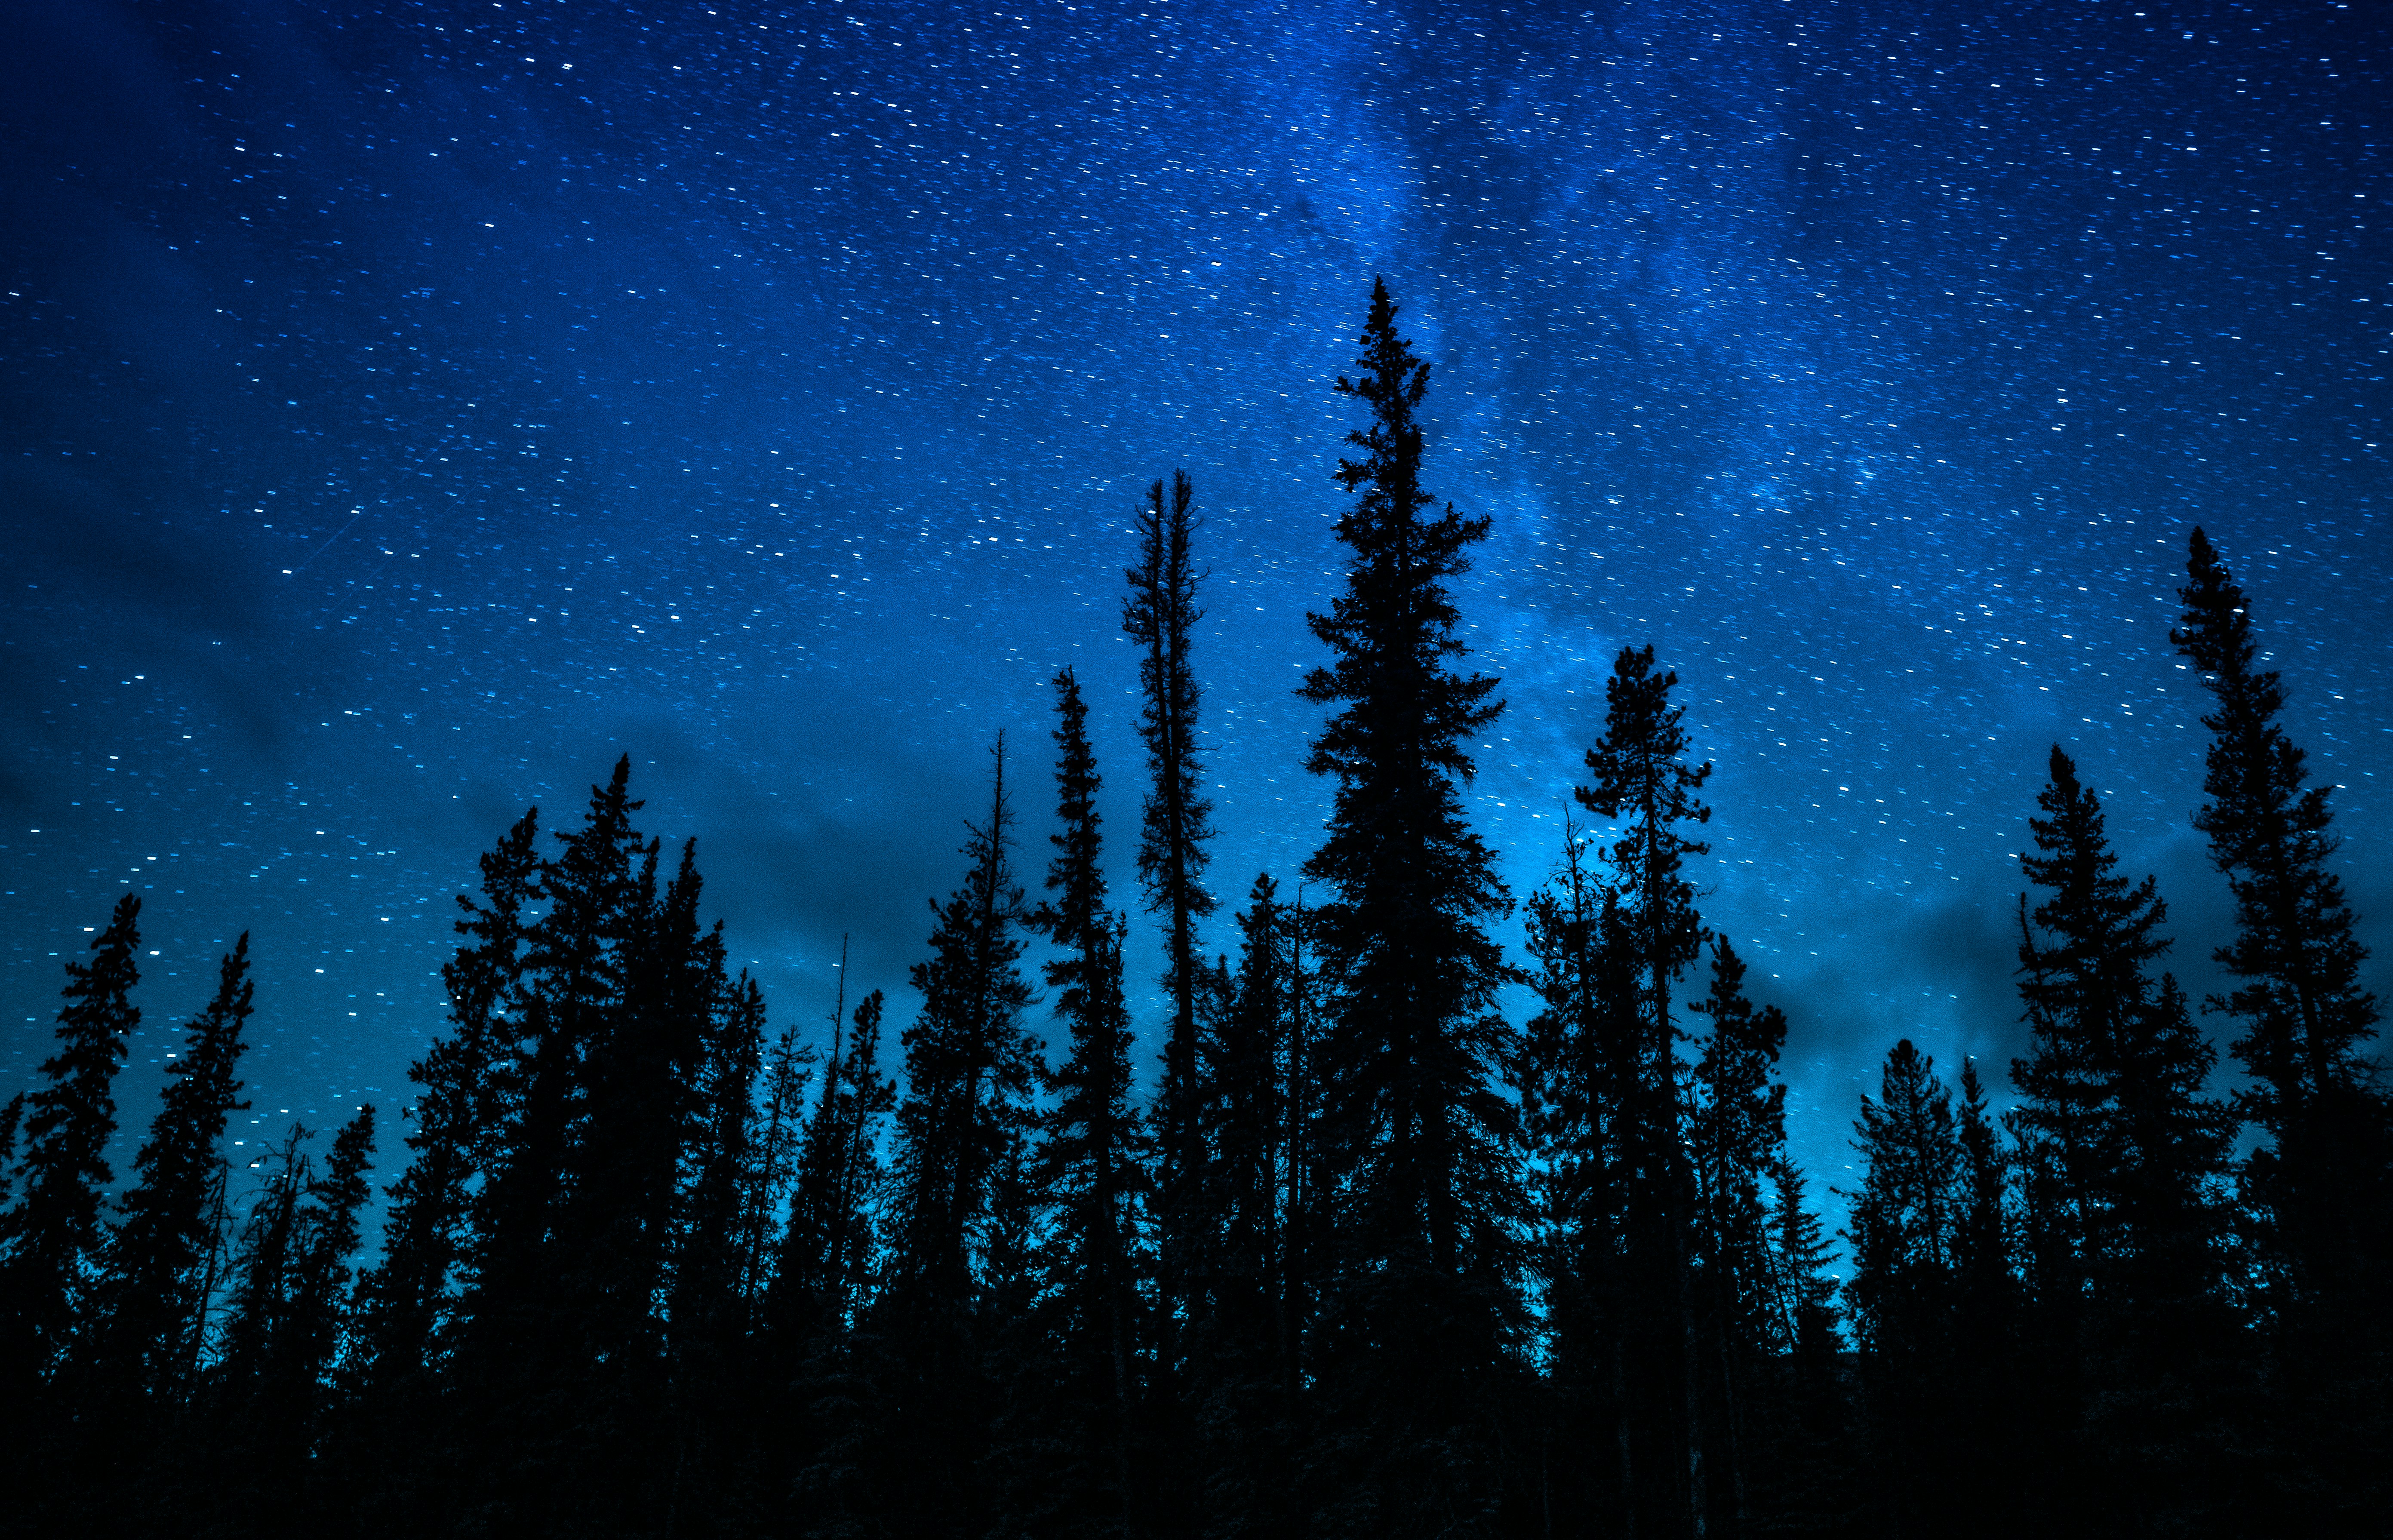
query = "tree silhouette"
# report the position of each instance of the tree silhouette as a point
(1420, 1144)
(1177, 820)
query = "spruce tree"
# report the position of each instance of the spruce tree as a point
(2295, 956)
(1739, 1125)
(407, 1300)
(151, 1299)
(1420, 1145)
(1246, 1319)
(969, 1069)
(1089, 1166)
(2112, 1101)
(1579, 1073)
(829, 1237)
(1904, 1233)
(53, 1235)
(576, 963)
(2320, 1189)
(1159, 615)
(1738, 1136)
(554, 1374)
(715, 1405)
(1641, 781)
(781, 1131)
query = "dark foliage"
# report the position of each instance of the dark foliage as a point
(1369, 1262)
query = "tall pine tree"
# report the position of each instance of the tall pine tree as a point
(1090, 1165)
(53, 1235)
(2321, 1187)
(1641, 781)
(151, 1301)
(1424, 1304)
(1159, 615)
(970, 1071)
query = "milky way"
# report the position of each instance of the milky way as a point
(408, 410)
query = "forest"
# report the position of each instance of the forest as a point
(1373, 1260)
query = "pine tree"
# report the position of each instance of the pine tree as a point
(2304, 1014)
(817, 1313)
(556, 1374)
(328, 1239)
(2320, 1189)
(1159, 615)
(1579, 1074)
(1422, 1145)
(1904, 1230)
(714, 1404)
(1641, 779)
(1089, 1166)
(151, 1299)
(1245, 1321)
(406, 1301)
(2112, 1093)
(289, 1321)
(968, 1068)
(257, 1321)
(1807, 1450)
(641, 1115)
(1738, 1126)
(577, 963)
(711, 1264)
(781, 1131)
(829, 1236)
(52, 1235)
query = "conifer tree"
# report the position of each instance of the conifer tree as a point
(641, 1112)
(576, 963)
(1738, 1127)
(1641, 779)
(1579, 1072)
(711, 1268)
(12, 1114)
(53, 1234)
(2112, 1103)
(969, 1071)
(1806, 1443)
(1420, 1145)
(1246, 1318)
(1159, 615)
(1089, 1166)
(328, 1239)
(257, 1321)
(556, 1374)
(827, 1245)
(151, 1299)
(782, 1130)
(406, 1300)
(1739, 1124)
(288, 1323)
(2323, 1183)
(1904, 1230)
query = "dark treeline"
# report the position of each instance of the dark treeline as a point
(1374, 1260)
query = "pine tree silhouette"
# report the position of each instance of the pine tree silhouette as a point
(2321, 1188)
(1090, 1167)
(1641, 781)
(52, 1236)
(1421, 1148)
(149, 1306)
(1177, 823)
(969, 1069)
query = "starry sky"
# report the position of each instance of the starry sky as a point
(408, 408)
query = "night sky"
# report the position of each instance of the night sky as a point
(410, 409)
